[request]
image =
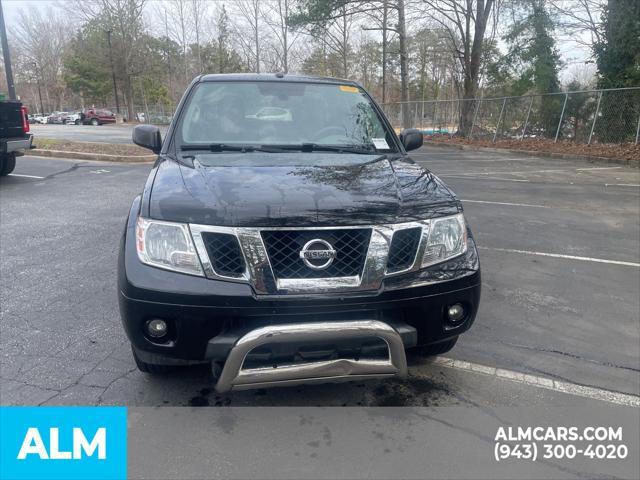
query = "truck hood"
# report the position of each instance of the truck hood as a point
(297, 189)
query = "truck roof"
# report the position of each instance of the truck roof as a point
(270, 77)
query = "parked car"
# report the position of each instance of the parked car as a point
(57, 117)
(39, 118)
(15, 137)
(98, 116)
(74, 118)
(285, 252)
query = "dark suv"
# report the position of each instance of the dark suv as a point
(296, 247)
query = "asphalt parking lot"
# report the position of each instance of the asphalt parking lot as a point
(559, 244)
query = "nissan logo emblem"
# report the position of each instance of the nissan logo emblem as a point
(317, 254)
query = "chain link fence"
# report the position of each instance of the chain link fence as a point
(594, 116)
(155, 114)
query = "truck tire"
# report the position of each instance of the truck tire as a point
(95, 122)
(77, 122)
(7, 164)
(436, 348)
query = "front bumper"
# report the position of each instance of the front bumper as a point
(200, 310)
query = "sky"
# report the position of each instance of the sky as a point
(573, 55)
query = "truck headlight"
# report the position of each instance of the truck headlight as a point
(447, 239)
(167, 245)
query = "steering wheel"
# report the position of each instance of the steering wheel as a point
(326, 131)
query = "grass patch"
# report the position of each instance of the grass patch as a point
(89, 147)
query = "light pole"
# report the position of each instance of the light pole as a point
(113, 72)
(35, 66)
(7, 58)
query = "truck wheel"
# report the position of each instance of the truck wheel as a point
(77, 122)
(94, 122)
(437, 348)
(7, 164)
(152, 368)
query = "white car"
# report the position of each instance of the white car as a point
(73, 118)
(40, 118)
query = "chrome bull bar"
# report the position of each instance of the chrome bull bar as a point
(234, 377)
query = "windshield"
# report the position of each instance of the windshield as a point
(282, 114)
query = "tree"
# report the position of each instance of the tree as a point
(618, 51)
(618, 60)
(532, 52)
(277, 19)
(219, 56)
(41, 39)
(86, 74)
(577, 17)
(251, 12)
(465, 22)
(123, 18)
(329, 22)
(320, 15)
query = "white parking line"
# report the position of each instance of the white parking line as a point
(568, 257)
(521, 172)
(621, 185)
(25, 176)
(475, 159)
(505, 203)
(597, 168)
(485, 178)
(542, 382)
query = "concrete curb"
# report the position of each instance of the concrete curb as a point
(99, 157)
(565, 156)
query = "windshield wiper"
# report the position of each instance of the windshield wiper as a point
(226, 147)
(317, 147)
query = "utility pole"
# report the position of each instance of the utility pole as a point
(113, 72)
(35, 66)
(7, 56)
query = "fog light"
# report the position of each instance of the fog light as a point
(455, 313)
(157, 328)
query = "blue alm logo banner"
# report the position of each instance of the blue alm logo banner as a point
(69, 443)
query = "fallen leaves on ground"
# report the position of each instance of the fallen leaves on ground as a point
(626, 151)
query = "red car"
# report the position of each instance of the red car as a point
(97, 116)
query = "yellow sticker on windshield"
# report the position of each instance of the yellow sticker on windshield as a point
(348, 88)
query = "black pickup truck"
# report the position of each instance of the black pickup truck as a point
(285, 236)
(15, 137)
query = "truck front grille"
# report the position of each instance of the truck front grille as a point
(284, 247)
(224, 254)
(404, 246)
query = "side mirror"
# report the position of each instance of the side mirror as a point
(147, 136)
(411, 138)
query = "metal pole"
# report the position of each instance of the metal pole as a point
(504, 102)
(113, 72)
(595, 117)
(422, 114)
(475, 115)
(526, 121)
(638, 131)
(7, 57)
(564, 105)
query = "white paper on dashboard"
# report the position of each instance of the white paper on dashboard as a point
(380, 143)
